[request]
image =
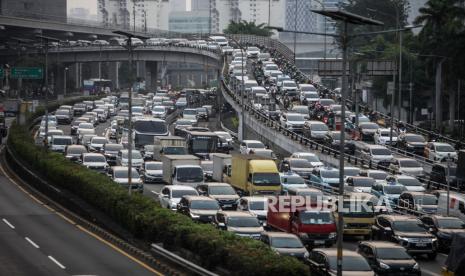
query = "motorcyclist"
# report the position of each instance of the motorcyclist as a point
(401, 128)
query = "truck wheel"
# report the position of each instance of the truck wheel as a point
(432, 256)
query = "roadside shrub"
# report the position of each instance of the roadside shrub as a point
(146, 220)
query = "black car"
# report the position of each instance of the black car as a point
(222, 192)
(439, 174)
(413, 143)
(443, 228)
(202, 114)
(198, 208)
(387, 258)
(407, 231)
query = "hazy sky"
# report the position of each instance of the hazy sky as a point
(91, 5)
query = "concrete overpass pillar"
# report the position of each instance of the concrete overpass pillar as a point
(113, 73)
(241, 132)
(94, 70)
(74, 75)
(140, 69)
(151, 68)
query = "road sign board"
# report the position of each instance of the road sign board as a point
(331, 67)
(27, 73)
(381, 68)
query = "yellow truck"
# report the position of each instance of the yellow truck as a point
(358, 218)
(254, 175)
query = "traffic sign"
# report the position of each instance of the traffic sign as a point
(27, 73)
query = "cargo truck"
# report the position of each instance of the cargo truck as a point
(315, 227)
(252, 175)
(182, 170)
(358, 218)
(170, 145)
(221, 166)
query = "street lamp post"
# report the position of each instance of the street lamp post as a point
(242, 123)
(46, 40)
(64, 82)
(130, 47)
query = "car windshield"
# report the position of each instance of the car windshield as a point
(76, 150)
(153, 166)
(409, 181)
(204, 205)
(310, 95)
(300, 163)
(387, 133)
(408, 226)
(444, 148)
(183, 123)
(289, 84)
(450, 223)
(135, 154)
(319, 127)
(330, 174)
(221, 190)
(62, 141)
(189, 112)
(207, 166)
(189, 174)
(364, 182)
(174, 150)
(94, 158)
(316, 217)
(252, 49)
(351, 172)
(395, 253)
(293, 179)
(286, 242)
(380, 152)
(158, 109)
(426, 200)
(414, 138)
(257, 205)
(137, 109)
(266, 179)
(350, 263)
(113, 147)
(410, 163)
(181, 193)
(124, 173)
(295, 117)
(394, 190)
(326, 102)
(271, 67)
(86, 126)
(378, 175)
(62, 112)
(255, 145)
(369, 126)
(310, 158)
(99, 140)
(243, 222)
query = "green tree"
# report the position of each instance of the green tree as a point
(244, 27)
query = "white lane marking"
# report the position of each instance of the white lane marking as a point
(31, 242)
(442, 254)
(153, 192)
(8, 223)
(56, 262)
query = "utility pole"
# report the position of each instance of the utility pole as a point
(295, 29)
(399, 100)
(448, 182)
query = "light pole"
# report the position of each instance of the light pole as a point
(242, 123)
(130, 47)
(64, 82)
(295, 29)
(448, 183)
(46, 40)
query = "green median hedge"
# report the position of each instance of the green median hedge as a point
(146, 220)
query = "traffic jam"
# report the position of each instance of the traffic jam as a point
(396, 209)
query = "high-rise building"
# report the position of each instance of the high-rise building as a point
(189, 21)
(55, 10)
(145, 14)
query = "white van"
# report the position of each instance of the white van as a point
(60, 142)
(456, 205)
(220, 40)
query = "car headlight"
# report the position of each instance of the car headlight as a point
(306, 255)
(399, 238)
(332, 235)
(194, 215)
(416, 266)
(434, 239)
(383, 265)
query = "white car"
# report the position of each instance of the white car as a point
(310, 157)
(137, 159)
(171, 195)
(252, 52)
(292, 121)
(436, 151)
(60, 142)
(382, 136)
(42, 131)
(377, 154)
(96, 143)
(225, 139)
(85, 128)
(138, 111)
(378, 175)
(410, 183)
(406, 166)
(159, 111)
(101, 114)
(291, 179)
(95, 161)
(309, 96)
(256, 205)
(190, 114)
(119, 175)
(360, 184)
(153, 172)
(250, 145)
(270, 68)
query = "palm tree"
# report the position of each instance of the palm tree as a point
(442, 21)
(244, 27)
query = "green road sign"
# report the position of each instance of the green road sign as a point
(2, 73)
(27, 73)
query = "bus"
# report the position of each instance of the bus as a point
(201, 143)
(145, 130)
(95, 86)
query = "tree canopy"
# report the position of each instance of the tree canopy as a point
(244, 27)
